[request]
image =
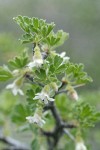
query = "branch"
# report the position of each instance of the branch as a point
(65, 91)
(62, 91)
(59, 127)
(55, 114)
(50, 145)
(16, 145)
(54, 136)
(79, 85)
(69, 134)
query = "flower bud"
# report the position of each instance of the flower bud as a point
(73, 95)
(37, 58)
(54, 86)
(37, 53)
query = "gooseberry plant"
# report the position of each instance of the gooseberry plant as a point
(48, 82)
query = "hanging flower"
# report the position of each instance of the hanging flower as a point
(73, 94)
(15, 86)
(44, 97)
(36, 119)
(37, 59)
(80, 146)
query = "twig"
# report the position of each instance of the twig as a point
(79, 85)
(69, 134)
(55, 114)
(16, 145)
(62, 91)
(65, 91)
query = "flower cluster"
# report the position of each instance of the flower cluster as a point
(45, 76)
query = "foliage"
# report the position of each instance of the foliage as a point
(42, 80)
(86, 115)
(38, 31)
(5, 73)
(19, 62)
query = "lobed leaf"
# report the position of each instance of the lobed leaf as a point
(5, 74)
(19, 61)
(87, 115)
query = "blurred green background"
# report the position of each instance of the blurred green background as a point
(81, 19)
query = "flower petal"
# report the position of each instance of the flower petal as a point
(10, 86)
(15, 91)
(20, 92)
(51, 99)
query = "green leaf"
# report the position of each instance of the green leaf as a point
(57, 61)
(33, 29)
(19, 61)
(23, 22)
(63, 36)
(56, 39)
(26, 20)
(27, 38)
(41, 74)
(36, 22)
(32, 104)
(75, 72)
(50, 27)
(52, 69)
(86, 115)
(20, 113)
(44, 31)
(61, 69)
(5, 74)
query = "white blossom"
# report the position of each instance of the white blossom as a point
(80, 146)
(37, 59)
(35, 63)
(15, 87)
(43, 96)
(65, 58)
(36, 119)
